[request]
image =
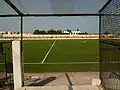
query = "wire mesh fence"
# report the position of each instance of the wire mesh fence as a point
(110, 45)
(6, 77)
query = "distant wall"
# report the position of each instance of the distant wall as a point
(37, 37)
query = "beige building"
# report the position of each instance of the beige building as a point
(2, 32)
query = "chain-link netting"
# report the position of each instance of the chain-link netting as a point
(110, 45)
(6, 77)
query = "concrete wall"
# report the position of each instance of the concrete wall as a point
(37, 37)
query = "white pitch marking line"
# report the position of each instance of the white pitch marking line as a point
(67, 63)
(48, 52)
(2, 63)
(72, 63)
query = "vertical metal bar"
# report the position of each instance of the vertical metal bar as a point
(10, 54)
(100, 46)
(99, 26)
(1, 48)
(5, 67)
(21, 51)
(21, 32)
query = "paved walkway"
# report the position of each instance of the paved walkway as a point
(81, 87)
(60, 79)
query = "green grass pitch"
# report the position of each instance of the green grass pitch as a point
(63, 56)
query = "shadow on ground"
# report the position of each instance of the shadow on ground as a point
(43, 82)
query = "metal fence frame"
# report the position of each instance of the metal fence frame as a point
(21, 15)
(109, 46)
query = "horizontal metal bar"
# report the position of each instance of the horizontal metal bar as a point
(49, 15)
(45, 15)
(10, 15)
(57, 15)
(110, 42)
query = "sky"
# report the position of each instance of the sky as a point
(88, 24)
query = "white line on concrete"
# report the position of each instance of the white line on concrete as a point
(48, 52)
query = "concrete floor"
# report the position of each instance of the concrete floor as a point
(81, 87)
(60, 79)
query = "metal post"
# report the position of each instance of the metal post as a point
(5, 67)
(100, 46)
(21, 51)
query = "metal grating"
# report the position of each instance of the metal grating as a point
(110, 45)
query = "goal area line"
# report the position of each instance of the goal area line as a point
(65, 63)
(61, 63)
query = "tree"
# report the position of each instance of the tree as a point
(6, 32)
(86, 33)
(18, 32)
(36, 32)
(106, 33)
(58, 32)
(69, 30)
(51, 31)
(42, 32)
(78, 29)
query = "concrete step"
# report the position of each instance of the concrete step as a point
(87, 87)
(81, 87)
